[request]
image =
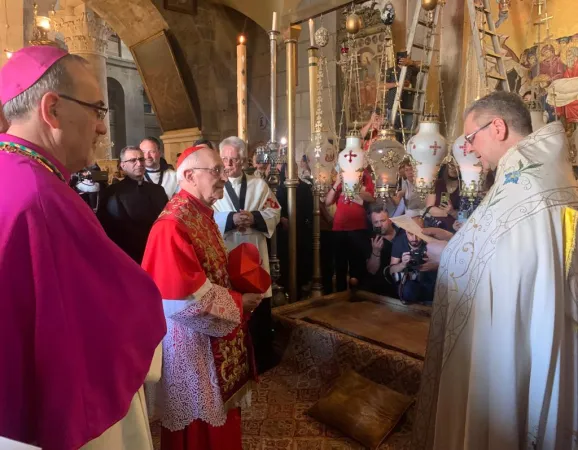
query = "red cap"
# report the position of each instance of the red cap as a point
(189, 151)
(245, 272)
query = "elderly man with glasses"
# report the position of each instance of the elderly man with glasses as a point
(249, 212)
(128, 209)
(501, 364)
(79, 320)
(206, 364)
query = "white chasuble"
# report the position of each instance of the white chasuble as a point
(501, 367)
(258, 198)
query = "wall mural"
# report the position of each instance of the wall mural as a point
(553, 69)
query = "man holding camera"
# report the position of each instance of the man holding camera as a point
(378, 278)
(414, 275)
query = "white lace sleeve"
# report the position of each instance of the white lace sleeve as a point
(211, 311)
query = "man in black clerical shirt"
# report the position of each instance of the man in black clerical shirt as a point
(378, 252)
(129, 208)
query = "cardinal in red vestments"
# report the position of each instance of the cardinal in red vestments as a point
(207, 360)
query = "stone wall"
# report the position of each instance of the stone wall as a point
(208, 43)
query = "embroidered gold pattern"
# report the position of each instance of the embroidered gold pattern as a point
(234, 367)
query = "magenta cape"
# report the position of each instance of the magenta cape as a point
(79, 320)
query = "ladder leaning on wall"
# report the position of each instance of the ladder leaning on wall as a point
(486, 42)
(420, 47)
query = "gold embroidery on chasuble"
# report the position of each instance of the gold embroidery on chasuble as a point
(229, 352)
(234, 367)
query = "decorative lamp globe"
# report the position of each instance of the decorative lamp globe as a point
(322, 37)
(429, 5)
(470, 169)
(428, 149)
(322, 156)
(351, 163)
(353, 23)
(385, 155)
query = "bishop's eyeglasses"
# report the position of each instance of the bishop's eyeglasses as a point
(100, 110)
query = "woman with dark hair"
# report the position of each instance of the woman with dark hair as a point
(444, 203)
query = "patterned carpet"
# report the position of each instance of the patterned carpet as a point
(313, 358)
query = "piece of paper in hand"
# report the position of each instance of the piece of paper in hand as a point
(408, 224)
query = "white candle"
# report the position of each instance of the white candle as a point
(274, 26)
(242, 88)
(311, 32)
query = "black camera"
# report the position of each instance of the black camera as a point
(416, 256)
(93, 175)
(377, 230)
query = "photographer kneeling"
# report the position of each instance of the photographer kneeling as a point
(378, 252)
(415, 277)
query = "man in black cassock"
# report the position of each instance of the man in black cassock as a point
(129, 208)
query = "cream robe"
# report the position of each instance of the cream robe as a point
(132, 432)
(501, 367)
(169, 184)
(258, 198)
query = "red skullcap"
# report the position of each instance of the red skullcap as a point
(189, 151)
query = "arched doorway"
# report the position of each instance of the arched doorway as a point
(117, 111)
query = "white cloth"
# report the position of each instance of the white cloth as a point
(132, 432)
(563, 91)
(501, 367)
(169, 183)
(258, 198)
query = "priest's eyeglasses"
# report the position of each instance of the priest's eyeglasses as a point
(101, 111)
(470, 137)
(134, 160)
(217, 171)
(233, 160)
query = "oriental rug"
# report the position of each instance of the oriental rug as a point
(313, 358)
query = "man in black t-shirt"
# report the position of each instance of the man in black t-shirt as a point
(414, 284)
(378, 253)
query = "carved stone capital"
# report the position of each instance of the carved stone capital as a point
(84, 32)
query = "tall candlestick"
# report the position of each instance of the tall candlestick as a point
(274, 26)
(242, 88)
(312, 32)
(292, 181)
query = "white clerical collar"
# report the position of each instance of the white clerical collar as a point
(236, 180)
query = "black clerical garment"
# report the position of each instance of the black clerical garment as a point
(304, 232)
(127, 212)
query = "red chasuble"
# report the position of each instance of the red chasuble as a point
(206, 361)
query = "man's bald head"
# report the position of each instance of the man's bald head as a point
(202, 174)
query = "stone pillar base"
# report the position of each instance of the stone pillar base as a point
(177, 140)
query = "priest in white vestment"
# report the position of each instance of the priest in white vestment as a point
(500, 370)
(157, 170)
(249, 212)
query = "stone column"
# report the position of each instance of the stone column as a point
(85, 34)
(176, 141)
